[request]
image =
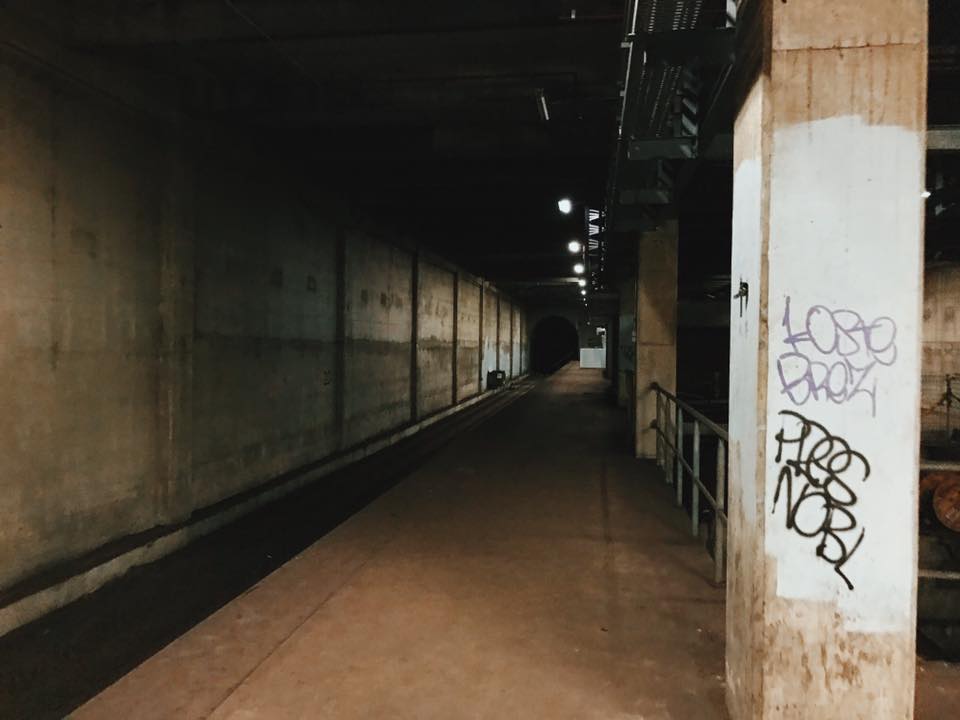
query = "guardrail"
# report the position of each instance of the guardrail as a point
(669, 425)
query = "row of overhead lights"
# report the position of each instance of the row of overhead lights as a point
(565, 206)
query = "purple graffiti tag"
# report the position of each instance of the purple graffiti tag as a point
(834, 356)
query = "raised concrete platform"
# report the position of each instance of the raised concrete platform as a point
(531, 569)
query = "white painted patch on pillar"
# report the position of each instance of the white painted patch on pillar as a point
(745, 331)
(844, 367)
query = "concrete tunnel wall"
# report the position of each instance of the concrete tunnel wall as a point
(436, 346)
(469, 298)
(178, 331)
(504, 343)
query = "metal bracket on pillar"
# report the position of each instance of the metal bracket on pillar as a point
(743, 295)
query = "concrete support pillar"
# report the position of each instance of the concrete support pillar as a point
(824, 380)
(656, 316)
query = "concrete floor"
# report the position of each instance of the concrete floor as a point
(530, 569)
(938, 690)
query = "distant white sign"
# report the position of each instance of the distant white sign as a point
(593, 358)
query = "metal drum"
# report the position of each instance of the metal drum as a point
(946, 503)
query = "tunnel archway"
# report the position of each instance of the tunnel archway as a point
(554, 342)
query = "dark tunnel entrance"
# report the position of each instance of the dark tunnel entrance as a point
(553, 344)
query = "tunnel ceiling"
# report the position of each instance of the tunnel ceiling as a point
(426, 109)
(427, 112)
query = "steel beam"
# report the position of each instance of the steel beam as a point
(712, 46)
(669, 148)
(943, 138)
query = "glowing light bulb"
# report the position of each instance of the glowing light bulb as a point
(565, 206)
(574, 246)
(578, 268)
(581, 282)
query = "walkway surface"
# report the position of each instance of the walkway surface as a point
(531, 569)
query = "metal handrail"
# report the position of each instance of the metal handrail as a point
(674, 464)
(670, 458)
(693, 412)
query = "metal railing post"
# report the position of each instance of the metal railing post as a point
(670, 439)
(669, 456)
(679, 456)
(695, 488)
(659, 430)
(719, 523)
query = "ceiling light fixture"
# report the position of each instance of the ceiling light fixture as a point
(578, 268)
(565, 206)
(542, 106)
(574, 246)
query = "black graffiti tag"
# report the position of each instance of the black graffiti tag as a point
(817, 476)
(834, 356)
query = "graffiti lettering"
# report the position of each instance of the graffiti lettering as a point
(833, 357)
(817, 477)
